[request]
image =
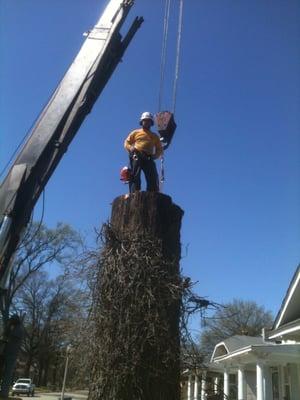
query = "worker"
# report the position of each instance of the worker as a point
(144, 147)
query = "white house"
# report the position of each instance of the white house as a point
(266, 368)
(256, 368)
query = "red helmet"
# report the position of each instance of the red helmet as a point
(125, 174)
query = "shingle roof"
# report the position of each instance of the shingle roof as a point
(236, 342)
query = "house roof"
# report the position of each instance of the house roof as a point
(289, 312)
(249, 355)
(289, 331)
(236, 342)
(246, 350)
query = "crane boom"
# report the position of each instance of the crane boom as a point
(59, 122)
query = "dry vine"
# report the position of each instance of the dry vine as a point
(141, 308)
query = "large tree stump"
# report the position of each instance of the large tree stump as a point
(137, 301)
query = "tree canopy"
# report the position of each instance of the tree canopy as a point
(239, 317)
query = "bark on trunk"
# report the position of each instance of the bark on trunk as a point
(137, 302)
(14, 335)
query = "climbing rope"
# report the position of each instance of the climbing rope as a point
(161, 174)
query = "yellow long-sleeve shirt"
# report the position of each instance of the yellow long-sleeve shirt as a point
(144, 140)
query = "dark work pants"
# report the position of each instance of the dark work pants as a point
(140, 162)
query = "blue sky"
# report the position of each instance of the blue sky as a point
(233, 165)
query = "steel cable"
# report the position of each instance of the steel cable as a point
(178, 48)
(164, 52)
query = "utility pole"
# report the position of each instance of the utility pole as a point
(68, 351)
(136, 343)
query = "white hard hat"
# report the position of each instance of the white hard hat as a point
(147, 115)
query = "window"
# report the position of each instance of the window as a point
(275, 383)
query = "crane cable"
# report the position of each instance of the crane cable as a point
(163, 66)
(178, 48)
(164, 52)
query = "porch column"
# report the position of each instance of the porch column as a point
(260, 395)
(203, 386)
(268, 390)
(226, 384)
(295, 381)
(189, 388)
(196, 388)
(241, 384)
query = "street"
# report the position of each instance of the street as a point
(78, 395)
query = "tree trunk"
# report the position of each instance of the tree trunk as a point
(13, 335)
(136, 346)
(54, 373)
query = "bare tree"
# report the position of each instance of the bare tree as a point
(55, 314)
(236, 318)
(40, 246)
(32, 298)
